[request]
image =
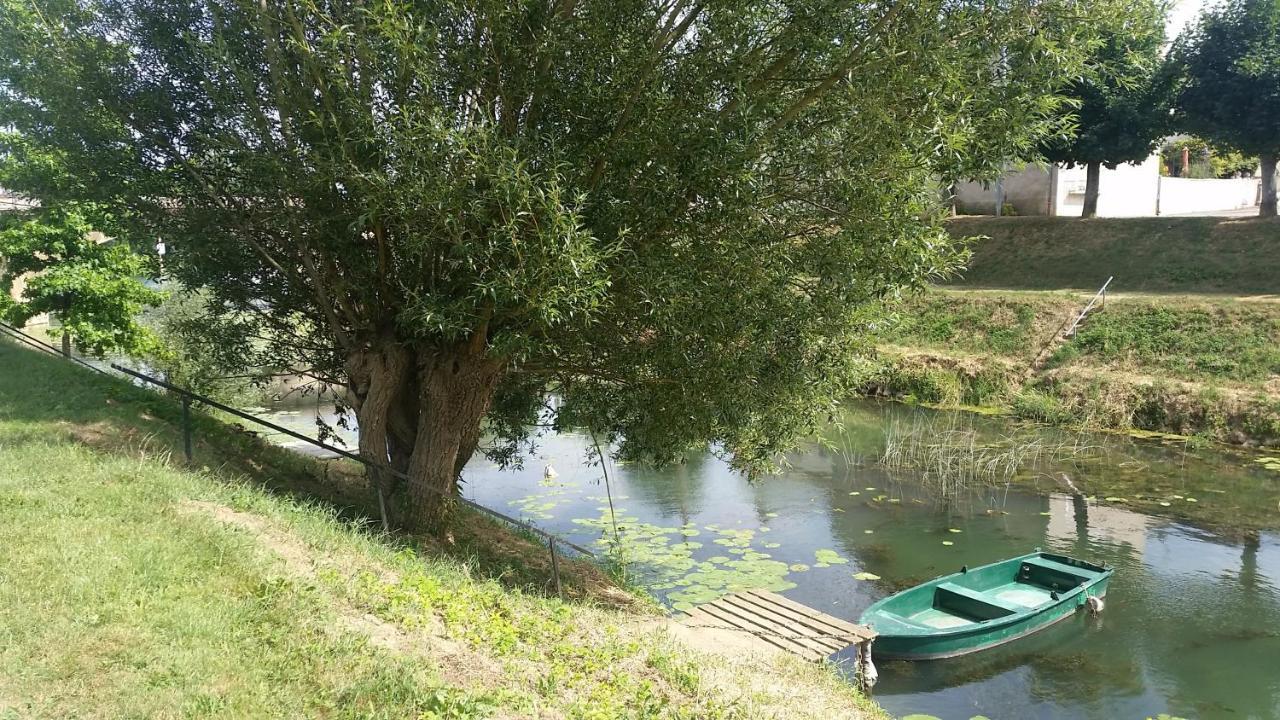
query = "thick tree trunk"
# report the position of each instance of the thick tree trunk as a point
(1268, 205)
(379, 377)
(1093, 174)
(66, 342)
(420, 413)
(455, 390)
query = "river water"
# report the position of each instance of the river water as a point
(1192, 619)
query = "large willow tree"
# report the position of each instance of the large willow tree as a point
(674, 216)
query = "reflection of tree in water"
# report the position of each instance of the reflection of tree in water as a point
(676, 490)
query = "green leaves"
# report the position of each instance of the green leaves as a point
(1119, 107)
(679, 219)
(1228, 69)
(93, 285)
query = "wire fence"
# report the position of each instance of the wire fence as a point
(186, 397)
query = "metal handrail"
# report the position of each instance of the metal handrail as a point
(1102, 293)
(339, 451)
(1064, 331)
(188, 396)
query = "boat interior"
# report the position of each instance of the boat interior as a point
(990, 593)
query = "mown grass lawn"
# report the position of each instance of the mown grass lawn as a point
(133, 587)
(1185, 255)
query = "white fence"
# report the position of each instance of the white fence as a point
(1190, 195)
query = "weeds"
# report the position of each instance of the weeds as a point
(953, 458)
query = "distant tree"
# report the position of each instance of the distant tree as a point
(1205, 160)
(92, 285)
(1120, 103)
(677, 217)
(1229, 67)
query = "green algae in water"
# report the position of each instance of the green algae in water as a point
(663, 559)
(829, 557)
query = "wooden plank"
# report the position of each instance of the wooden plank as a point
(752, 614)
(800, 624)
(857, 633)
(758, 631)
(826, 641)
(812, 619)
(835, 622)
(698, 615)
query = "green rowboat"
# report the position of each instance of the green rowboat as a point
(984, 607)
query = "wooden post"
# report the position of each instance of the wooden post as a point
(555, 566)
(186, 429)
(382, 502)
(866, 670)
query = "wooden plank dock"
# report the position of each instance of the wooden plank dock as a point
(786, 625)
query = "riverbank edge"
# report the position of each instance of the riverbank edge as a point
(104, 449)
(1076, 397)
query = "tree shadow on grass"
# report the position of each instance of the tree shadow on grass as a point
(46, 399)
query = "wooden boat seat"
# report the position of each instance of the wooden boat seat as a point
(1053, 574)
(957, 598)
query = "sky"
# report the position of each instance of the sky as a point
(1183, 12)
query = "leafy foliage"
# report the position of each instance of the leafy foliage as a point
(678, 216)
(1230, 73)
(1206, 160)
(93, 285)
(1120, 103)
(195, 355)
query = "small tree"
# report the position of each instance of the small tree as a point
(1230, 90)
(1119, 103)
(92, 285)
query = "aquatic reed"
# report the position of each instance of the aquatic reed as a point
(953, 456)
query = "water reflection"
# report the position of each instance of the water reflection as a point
(1192, 623)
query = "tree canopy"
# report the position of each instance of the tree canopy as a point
(675, 217)
(92, 285)
(1229, 65)
(1120, 104)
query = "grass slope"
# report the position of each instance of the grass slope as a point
(1193, 365)
(1158, 255)
(133, 587)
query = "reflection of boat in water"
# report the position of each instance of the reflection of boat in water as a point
(977, 609)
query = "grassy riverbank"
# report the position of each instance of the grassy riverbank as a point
(254, 586)
(1178, 255)
(1185, 344)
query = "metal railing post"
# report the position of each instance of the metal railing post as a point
(186, 430)
(555, 565)
(382, 501)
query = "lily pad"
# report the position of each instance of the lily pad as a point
(798, 567)
(830, 557)
(954, 530)
(865, 576)
(947, 543)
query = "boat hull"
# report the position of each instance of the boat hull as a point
(975, 610)
(891, 647)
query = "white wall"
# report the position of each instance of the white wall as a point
(1127, 191)
(1191, 195)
